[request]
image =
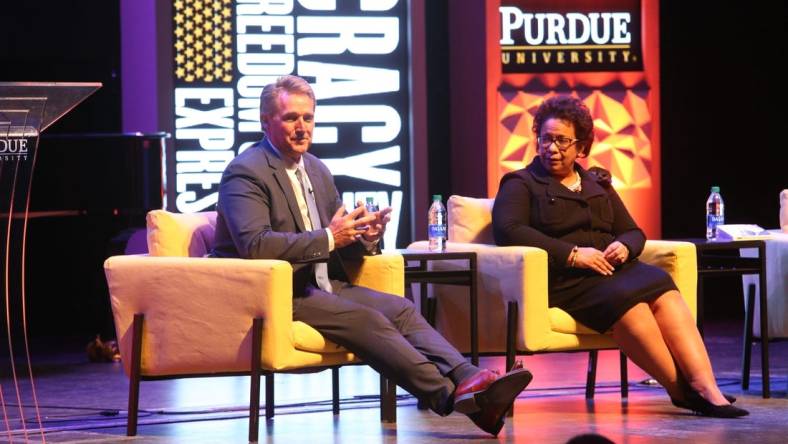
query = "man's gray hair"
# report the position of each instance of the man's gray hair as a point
(269, 98)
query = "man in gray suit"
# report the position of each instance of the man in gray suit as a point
(277, 201)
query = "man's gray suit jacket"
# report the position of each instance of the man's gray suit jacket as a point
(258, 215)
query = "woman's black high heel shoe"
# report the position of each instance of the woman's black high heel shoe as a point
(698, 404)
(680, 403)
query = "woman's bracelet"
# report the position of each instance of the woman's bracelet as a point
(573, 257)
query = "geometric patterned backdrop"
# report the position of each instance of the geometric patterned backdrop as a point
(202, 39)
(621, 127)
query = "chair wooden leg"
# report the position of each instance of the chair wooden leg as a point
(747, 346)
(432, 309)
(254, 394)
(511, 334)
(763, 314)
(428, 312)
(335, 390)
(624, 375)
(511, 342)
(388, 400)
(134, 383)
(269, 396)
(423, 303)
(591, 374)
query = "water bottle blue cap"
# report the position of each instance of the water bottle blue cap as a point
(715, 189)
(437, 197)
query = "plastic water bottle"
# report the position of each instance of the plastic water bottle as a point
(436, 224)
(715, 213)
(371, 205)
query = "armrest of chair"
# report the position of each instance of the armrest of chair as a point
(512, 274)
(383, 272)
(679, 259)
(199, 311)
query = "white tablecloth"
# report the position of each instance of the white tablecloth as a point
(776, 283)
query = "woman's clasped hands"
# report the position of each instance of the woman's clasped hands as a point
(603, 262)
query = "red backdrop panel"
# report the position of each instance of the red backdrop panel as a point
(625, 107)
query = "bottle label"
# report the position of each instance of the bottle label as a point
(712, 220)
(436, 230)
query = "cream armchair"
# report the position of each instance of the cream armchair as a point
(180, 314)
(513, 293)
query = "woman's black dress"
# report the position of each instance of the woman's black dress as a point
(533, 209)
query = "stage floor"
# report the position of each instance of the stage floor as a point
(83, 402)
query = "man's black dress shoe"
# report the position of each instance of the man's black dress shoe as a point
(466, 391)
(488, 406)
(698, 404)
(489, 421)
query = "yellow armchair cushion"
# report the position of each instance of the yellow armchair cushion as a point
(561, 322)
(308, 339)
(383, 272)
(470, 220)
(175, 234)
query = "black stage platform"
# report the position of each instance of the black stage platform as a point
(82, 402)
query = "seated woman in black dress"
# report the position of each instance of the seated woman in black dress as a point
(593, 243)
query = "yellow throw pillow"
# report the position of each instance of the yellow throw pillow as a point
(176, 234)
(470, 219)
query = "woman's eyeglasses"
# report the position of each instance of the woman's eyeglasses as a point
(563, 143)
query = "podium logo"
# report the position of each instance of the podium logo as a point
(13, 149)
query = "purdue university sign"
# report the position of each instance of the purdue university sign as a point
(542, 38)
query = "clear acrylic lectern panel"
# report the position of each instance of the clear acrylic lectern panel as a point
(26, 110)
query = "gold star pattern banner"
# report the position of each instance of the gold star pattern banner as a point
(621, 129)
(202, 32)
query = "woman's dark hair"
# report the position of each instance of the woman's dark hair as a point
(572, 110)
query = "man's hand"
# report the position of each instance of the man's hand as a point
(378, 226)
(616, 253)
(594, 259)
(346, 228)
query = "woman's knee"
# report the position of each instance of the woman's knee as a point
(670, 299)
(670, 296)
(635, 317)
